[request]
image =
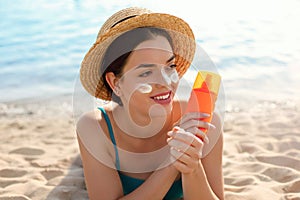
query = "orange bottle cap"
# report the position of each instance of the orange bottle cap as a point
(207, 80)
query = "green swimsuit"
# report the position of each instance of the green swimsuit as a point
(129, 183)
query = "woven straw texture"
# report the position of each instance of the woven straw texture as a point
(179, 30)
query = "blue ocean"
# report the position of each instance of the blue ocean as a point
(42, 43)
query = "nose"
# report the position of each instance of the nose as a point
(164, 78)
(167, 76)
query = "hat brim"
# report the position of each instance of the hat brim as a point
(180, 32)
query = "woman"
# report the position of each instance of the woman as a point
(141, 144)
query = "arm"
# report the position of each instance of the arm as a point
(102, 180)
(201, 177)
(104, 183)
(206, 182)
(156, 186)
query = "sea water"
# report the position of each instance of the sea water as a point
(254, 44)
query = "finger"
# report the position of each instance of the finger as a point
(176, 154)
(196, 123)
(194, 115)
(191, 162)
(193, 150)
(188, 138)
(182, 167)
(198, 146)
(174, 130)
(191, 139)
(188, 156)
(200, 134)
(178, 145)
(183, 136)
(180, 156)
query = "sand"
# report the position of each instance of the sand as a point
(39, 156)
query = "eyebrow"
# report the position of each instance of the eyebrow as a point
(153, 65)
(171, 58)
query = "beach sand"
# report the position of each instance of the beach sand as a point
(39, 156)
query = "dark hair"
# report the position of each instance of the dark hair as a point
(120, 49)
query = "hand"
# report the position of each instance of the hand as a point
(186, 149)
(191, 122)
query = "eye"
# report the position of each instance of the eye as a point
(145, 74)
(171, 67)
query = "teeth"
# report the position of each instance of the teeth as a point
(162, 97)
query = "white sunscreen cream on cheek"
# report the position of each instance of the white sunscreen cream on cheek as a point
(165, 76)
(171, 77)
(144, 88)
(174, 77)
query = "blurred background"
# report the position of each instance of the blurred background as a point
(254, 44)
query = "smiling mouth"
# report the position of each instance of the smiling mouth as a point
(163, 98)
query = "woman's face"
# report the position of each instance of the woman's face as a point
(150, 78)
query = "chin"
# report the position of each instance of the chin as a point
(158, 110)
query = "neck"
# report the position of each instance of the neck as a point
(141, 126)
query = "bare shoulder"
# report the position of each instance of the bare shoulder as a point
(91, 122)
(92, 134)
(101, 177)
(86, 120)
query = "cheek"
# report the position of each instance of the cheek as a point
(130, 91)
(127, 86)
(175, 86)
(136, 94)
(145, 88)
(139, 100)
(174, 78)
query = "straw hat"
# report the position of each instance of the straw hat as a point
(125, 20)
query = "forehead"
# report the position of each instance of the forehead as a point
(154, 51)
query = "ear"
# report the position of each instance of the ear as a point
(112, 80)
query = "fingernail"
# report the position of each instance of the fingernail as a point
(200, 155)
(176, 128)
(206, 114)
(212, 126)
(170, 133)
(206, 140)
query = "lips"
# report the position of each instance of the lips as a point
(162, 98)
